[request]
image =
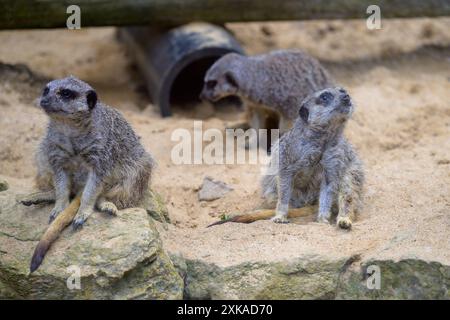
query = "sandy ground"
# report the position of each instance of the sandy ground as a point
(399, 77)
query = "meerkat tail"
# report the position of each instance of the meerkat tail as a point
(53, 231)
(267, 214)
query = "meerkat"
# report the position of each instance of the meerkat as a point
(271, 86)
(314, 163)
(89, 152)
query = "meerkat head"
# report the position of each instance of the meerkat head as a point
(222, 79)
(68, 98)
(328, 107)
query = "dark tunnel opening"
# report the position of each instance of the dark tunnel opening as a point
(188, 85)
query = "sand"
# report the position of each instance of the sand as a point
(399, 78)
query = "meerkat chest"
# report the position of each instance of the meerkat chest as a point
(77, 149)
(82, 146)
(309, 176)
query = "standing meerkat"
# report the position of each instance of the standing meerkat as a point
(271, 85)
(89, 150)
(313, 162)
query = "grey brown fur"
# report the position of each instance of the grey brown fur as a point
(313, 162)
(89, 148)
(271, 85)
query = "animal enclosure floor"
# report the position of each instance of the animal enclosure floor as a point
(399, 78)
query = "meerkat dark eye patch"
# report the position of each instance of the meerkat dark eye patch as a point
(325, 98)
(230, 79)
(46, 91)
(67, 94)
(211, 84)
(91, 98)
(304, 113)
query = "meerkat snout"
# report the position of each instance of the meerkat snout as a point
(346, 105)
(345, 97)
(221, 80)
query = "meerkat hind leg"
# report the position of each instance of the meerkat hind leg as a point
(106, 206)
(257, 120)
(346, 211)
(41, 197)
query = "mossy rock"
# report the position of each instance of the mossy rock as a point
(155, 207)
(117, 257)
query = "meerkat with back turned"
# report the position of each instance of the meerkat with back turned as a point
(89, 150)
(313, 162)
(270, 85)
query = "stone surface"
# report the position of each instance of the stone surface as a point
(301, 278)
(156, 208)
(118, 257)
(314, 277)
(212, 189)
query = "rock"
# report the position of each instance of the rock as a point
(300, 278)
(3, 185)
(316, 277)
(156, 208)
(212, 189)
(403, 279)
(117, 257)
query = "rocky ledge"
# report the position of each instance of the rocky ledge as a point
(115, 257)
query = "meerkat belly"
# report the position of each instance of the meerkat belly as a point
(78, 171)
(306, 187)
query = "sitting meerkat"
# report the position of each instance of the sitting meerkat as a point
(313, 162)
(89, 150)
(271, 86)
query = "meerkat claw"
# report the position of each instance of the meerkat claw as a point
(53, 215)
(78, 223)
(27, 203)
(344, 223)
(79, 220)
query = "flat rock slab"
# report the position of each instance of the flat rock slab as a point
(116, 257)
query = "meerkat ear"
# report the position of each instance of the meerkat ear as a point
(304, 113)
(91, 98)
(231, 79)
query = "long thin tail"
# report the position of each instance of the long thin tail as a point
(53, 231)
(266, 214)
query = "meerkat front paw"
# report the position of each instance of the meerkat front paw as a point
(56, 211)
(280, 219)
(108, 207)
(80, 219)
(344, 222)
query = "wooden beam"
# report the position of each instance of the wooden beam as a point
(19, 14)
